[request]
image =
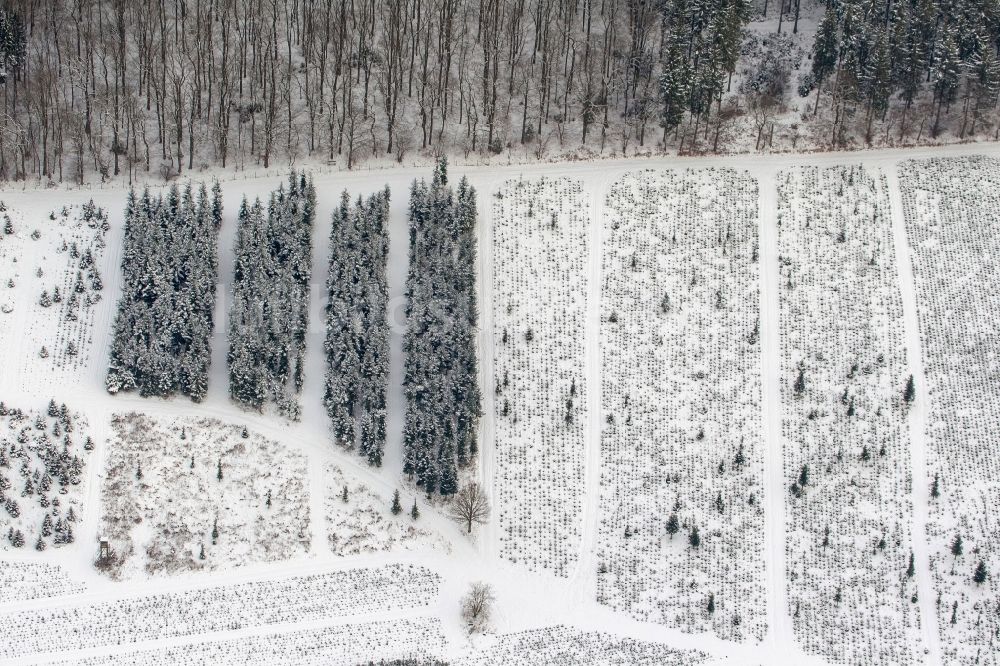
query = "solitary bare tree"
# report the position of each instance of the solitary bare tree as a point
(470, 505)
(477, 606)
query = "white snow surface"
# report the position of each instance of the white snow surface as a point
(425, 617)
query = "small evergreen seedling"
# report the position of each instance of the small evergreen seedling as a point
(911, 569)
(910, 392)
(800, 381)
(397, 508)
(673, 525)
(218, 472)
(694, 538)
(981, 574)
(215, 531)
(414, 512)
(201, 555)
(956, 545)
(711, 603)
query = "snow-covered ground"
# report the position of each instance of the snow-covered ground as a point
(425, 620)
(681, 519)
(951, 211)
(540, 250)
(849, 526)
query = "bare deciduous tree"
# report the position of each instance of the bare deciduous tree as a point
(470, 505)
(477, 606)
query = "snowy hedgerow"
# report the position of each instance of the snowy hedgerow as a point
(357, 325)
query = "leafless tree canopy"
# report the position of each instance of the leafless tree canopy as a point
(470, 505)
(131, 87)
(477, 606)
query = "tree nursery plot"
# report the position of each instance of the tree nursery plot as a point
(358, 520)
(681, 516)
(565, 645)
(657, 409)
(213, 609)
(169, 264)
(197, 494)
(951, 209)
(23, 581)
(417, 639)
(42, 458)
(270, 310)
(844, 434)
(540, 249)
(50, 283)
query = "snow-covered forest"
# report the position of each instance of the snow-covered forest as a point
(357, 325)
(165, 314)
(443, 403)
(133, 88)
(270, 309)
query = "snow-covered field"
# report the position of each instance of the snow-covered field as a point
(540, 250)
(23, 581)
(564, 645)
(337, 645)
(664, 393)
(357, 520)
(216, 609)
(845, 438)
(681, 517)
(951, 209)
(198, 494)
(50, 282)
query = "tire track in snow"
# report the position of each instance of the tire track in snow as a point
(916, 420)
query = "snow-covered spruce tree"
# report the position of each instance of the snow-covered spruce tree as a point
(160, 343)
(269, 314)
(440, 379)
(357, 326)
